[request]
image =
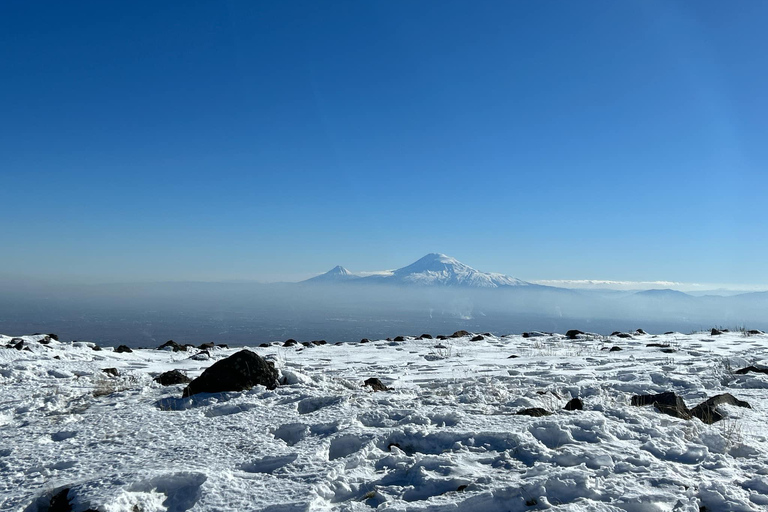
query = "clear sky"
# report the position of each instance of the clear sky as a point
(274, 140)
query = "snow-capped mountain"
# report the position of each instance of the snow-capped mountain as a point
(336, 274)
(441, 270)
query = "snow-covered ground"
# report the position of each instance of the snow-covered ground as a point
(446, 437)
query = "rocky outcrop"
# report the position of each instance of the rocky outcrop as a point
(239, 372)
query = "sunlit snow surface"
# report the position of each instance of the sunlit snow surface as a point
(446, 438)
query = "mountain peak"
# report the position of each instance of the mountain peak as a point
(337, 273)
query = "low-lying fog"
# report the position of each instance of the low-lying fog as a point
(248, 313)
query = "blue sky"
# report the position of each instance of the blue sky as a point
(274, 140)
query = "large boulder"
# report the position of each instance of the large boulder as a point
(666, 403)
(706, 411)
(240, 371)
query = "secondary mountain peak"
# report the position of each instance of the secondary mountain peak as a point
(337, 273)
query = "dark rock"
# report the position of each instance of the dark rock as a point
(666, 403)
(660, 345)
(526, 335)
(426, 336)
(668, 350)
(573, 334)
(459, 334)
(171, 378)
(207, 346)
(441, 337)
(264, 345)
(479, 337)
(616, 333)
(222, 345)
(17, 340)
(390, 445)
(399, 338)
(575, 404)
(439, 345)
(706, 411)
(487, 334)
(54, 337)
(290, 342)
(615, 349)
(513, 356)
(715, 332)
(375, 384)
(640, 331)
(462, 488)
(306, 343)
(339, 343)
(60, 502)
(754, 369)
(390, 339)
(536, 412)
(172, 345)
(44, 341)
(203, 355)
(623, 335)
(111, 371)
(365, 340)
(20, 345)
(319, 342)
(670, 332)
(123, 349)
(755, 331)
(96, 348)
(240, 371)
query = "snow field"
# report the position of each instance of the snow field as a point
(445, 438)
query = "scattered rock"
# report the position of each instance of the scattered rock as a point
(754, 369)
(755, 331)
(171, 345)
(660, 345)
(479, 337)
(706, 411)
(536, 412)
(203, 355)
(615, 349)
(238, 372)
(513, 356)
(399, 338)
(666, 403)
(668, 350)
(459, 334)
(123, 349)
(640, 331)
(319, 342)
(365, 340)
(306, 343)
(290, 342)
(222, 345)
(441, 337)
(171, 378)
(670, 332)
(111, 371)
(206, 346)
(425, 337)
(574, 404)
(573, 334)
(375, 384)
(715, 332)
(264, 345)
(621, 335)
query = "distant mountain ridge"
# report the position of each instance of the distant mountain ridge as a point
(434, 269)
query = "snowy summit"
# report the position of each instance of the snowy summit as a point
(439, 269)
(432, 270)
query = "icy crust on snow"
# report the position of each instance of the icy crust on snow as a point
(445, 438)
